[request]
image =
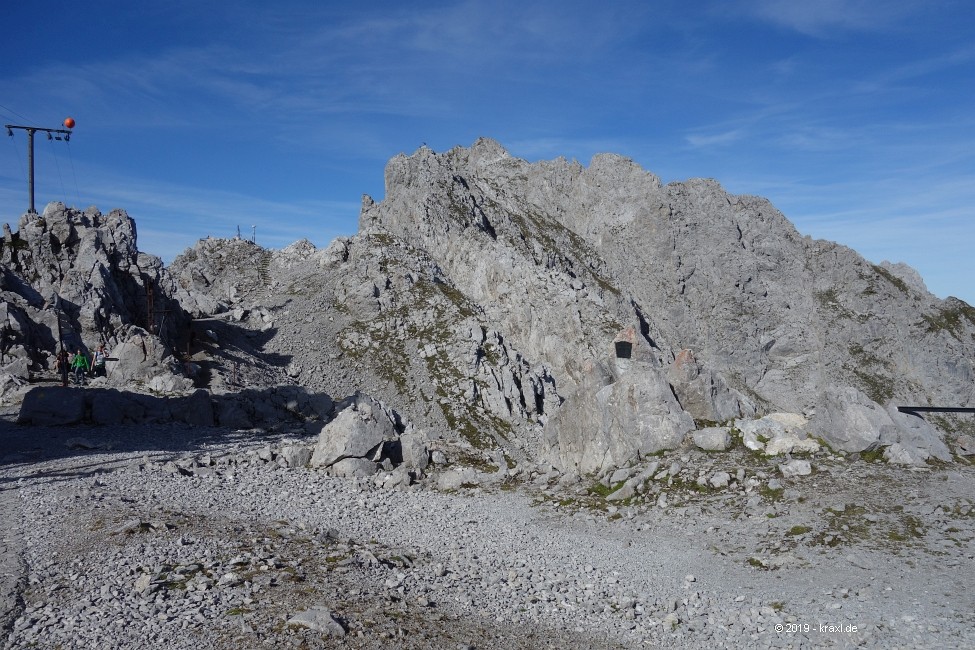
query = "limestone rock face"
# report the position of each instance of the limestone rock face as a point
(619, 412)
(78, 279)
(207, 278)
(585, 315)
(578, 315)
(703, 393)
(139, 355)
(561, 257)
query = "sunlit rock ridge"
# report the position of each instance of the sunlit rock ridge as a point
(550, 312)
(565, 260)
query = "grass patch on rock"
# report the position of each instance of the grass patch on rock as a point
(601, 490)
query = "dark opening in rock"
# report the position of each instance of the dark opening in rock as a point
(624, 349)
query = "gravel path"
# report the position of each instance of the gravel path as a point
(179, 537)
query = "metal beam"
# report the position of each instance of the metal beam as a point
(917, 410)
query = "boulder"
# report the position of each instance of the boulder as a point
(456, 478)
(712, 438)
(795, 467)
(319, 406)
(295, 455)
(898, 454)
(353, 468)
(196, 408)
(788, 443)
(632, 485)
(52, 406)
(10, 385)
(358, 429)
(232, 413)
(297, 401)
(847, 420)
(413, 446)
(19, 369)
(399, 479)
(791, 422)
(622, 474)
(167, 383)
(617, 415)
(965, 445)
(776, 434)
(319, 619)
(624, 492)
(720, 480)
(918, 438)
(114, 407)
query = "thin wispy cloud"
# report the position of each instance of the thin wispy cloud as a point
(896, 77)
(824, 17)
(198, 118)
(715, 139)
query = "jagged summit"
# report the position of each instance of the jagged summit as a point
(705, 262)
(564, 256)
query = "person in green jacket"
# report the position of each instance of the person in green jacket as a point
(79, 365)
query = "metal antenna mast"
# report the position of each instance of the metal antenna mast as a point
(58, 134)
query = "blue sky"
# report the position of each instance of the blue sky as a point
(854, 117)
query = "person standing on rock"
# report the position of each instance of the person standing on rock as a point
(6, 340)
(79, 365)
(98, 362)
(61, 366)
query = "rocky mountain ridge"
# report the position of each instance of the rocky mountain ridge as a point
(566, 259)
(584, 317)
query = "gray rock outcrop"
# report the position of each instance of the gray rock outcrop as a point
(272, 408)
(775, 320)
(850, 421)
(481, 295)
(77, 279)
(582, 316)
(355, 435)
(703, 393)
(622, 410)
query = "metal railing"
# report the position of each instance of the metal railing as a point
(917, 410)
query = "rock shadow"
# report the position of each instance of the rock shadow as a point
(57, 422)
